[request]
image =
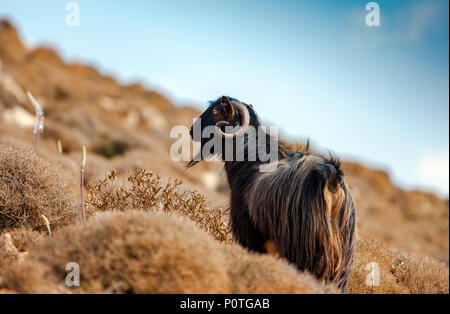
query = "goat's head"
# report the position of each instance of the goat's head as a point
(225, 111)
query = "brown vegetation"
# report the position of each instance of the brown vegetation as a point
(411, 220)
(23, 239)
(144, 190)
(31, 187)
(420, 274)
(136, 238)
(138, 252)
(399, 272)
(262, 273)
(8, 252)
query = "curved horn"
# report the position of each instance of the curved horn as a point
(245, 121)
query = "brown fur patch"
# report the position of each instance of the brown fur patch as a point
(334, 201)
(309, 219)
(271, 248)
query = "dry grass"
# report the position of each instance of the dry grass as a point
(145, 190)
(31, 187)
(125, 253)
(421, 274)
(412, 220)
(8, 252)
(373, 251)
(151, 252)
(263, 273)
(14, 246)
(22, 239)
(143, 237)
(400, 272)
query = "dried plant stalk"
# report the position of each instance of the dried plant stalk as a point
(60, 151)
(47, 224)
(39, 125)
(83, 164)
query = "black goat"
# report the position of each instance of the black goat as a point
(303, 209)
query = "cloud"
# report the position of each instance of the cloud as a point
(433, 171)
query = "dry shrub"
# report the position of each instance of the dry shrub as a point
(421, 274)
(13, 246)
(8, 252)
(31, 187)
(373, 251)
(131, 252)
(263, 273)
(144, 190)
(400, 272)
(9, 255)
(151, 252)
(22, 239)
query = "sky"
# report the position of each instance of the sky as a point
(377, 95)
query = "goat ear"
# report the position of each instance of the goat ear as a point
(229, 108)
(333, 178)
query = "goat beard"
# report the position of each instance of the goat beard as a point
(199, 157)
(194, 160)
(192, 163)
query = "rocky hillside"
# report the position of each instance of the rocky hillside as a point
(126, 127)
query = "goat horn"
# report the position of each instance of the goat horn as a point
(245, 122)
(222, 123)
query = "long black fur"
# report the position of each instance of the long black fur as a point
(304, 206)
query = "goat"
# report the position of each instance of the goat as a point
(302, 211)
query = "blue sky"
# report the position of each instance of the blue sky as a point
(314, 68)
